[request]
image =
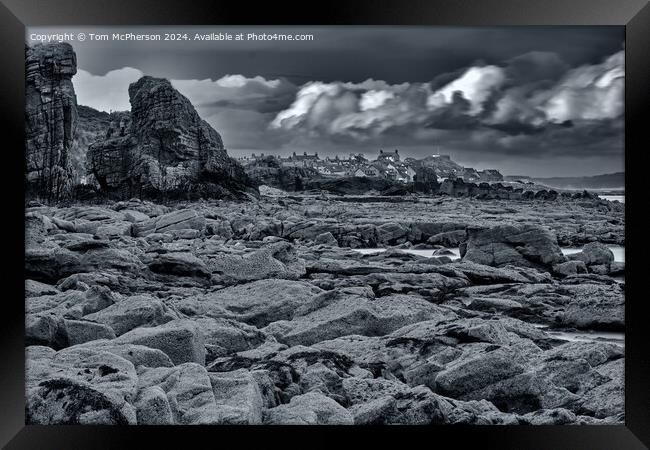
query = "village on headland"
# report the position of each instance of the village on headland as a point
(387, 165)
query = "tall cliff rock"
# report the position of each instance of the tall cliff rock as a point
(163, 147)
(50, 119)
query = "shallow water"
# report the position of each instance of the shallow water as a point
(618, 250)
(612, 198)
(425, 253)
(586, 336)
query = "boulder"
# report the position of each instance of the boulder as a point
(595, 306)
(189, 394)
(476, 371)
(352, 311)
(594, 254)
(180, 264)
(448, 238)
(474, 412)
(134, 216)
(138, 355)
(182, 340)
(380, 401)
(326, 238)
(176, 220)
(391, 233)
(49, 263)
(153, 408)
(570, 268)
(275, 260)
(483, 274)
(238, 397)
(524, 393)
(72, 304)
(133, 312)
(312, 408)
(258, 303)
(226, 336)
(557, 416)
(80, 331)
(37, 228)
(35, 288)
(374, 412)
(606, 399)
(517, 245)
(114, 259)
(79, 386)
(46, 330)
(87, 214)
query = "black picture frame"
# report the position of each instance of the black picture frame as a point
(16, 14)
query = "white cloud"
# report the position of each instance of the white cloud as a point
(236, 90)
(109, 92)
(311, 97)
(516, 106)
(360, 110)
(374, 99)
(475, 85)
(591, 92)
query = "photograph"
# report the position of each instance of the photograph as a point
(324, 225)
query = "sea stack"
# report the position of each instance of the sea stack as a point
(162, 147)
(50, 119)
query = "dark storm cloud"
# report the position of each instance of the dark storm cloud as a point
(535, 66)
(393, 54)
(538, 100)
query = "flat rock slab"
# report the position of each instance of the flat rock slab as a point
(176, 220)
(353, 312)
(262, 302)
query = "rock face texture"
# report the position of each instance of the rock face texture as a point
(50, 119)
(162, 147)
(220, 312)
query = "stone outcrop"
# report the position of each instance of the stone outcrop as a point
(50, 119)
(354, 185)
(457, 187)
(163, 147)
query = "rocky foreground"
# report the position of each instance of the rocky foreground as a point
(261, 313)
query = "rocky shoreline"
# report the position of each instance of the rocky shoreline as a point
(261, 312)
(253, 307)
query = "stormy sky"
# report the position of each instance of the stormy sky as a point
(539, 101)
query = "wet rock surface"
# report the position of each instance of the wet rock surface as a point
(219, 312)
